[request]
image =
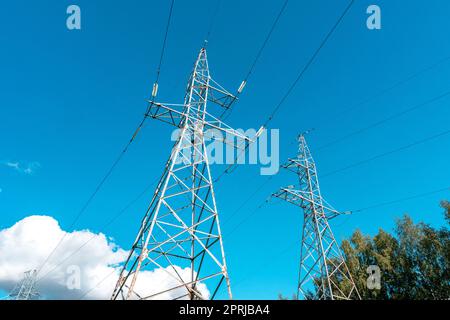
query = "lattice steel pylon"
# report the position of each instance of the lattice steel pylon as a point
(180, 233)
(322, 264)
(26, 288)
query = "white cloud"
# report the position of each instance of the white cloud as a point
(25, 168)
(26, 245)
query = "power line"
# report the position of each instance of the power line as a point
(294, 84)
(250, 70)
(266, 40)
(425, 140)
(132, 202)
(417, 196)
(376, 124)
(290, 246)
(248, 199)
(96, 286)
(379, 123)
(253, 212)
(110, 222)
(96, 190)
(386, 90)
(309, 63)
(270, 261)
(408, 146)
(154, 94)
(258, 55)
(163, 49)
(246, 218)
(381, 204)
(387, 203)
(213, 20)
(119, 158)
(342, 169)
(306, 67)
(363, 209)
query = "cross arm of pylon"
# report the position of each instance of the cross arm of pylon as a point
(298, 198)
(175, 113)
(219, 95)
(293, 164)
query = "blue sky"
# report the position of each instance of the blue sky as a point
(71, 99)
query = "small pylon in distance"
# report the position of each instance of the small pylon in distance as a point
(322, 265)
(26, 288)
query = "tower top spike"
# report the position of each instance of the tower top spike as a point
(304, 133)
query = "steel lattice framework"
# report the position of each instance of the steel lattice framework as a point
(26, 288)
(322, 264)
(180, 233)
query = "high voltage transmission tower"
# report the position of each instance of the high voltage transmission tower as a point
(323, 272)
(26, 288)
(180, 232)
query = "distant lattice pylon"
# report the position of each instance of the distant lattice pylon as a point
(323, 274)
(26, 288)
(180, 234)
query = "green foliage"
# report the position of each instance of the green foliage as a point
(446, 206)
(414, 262)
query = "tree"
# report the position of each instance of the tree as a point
(446, 206)
(414, 262)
